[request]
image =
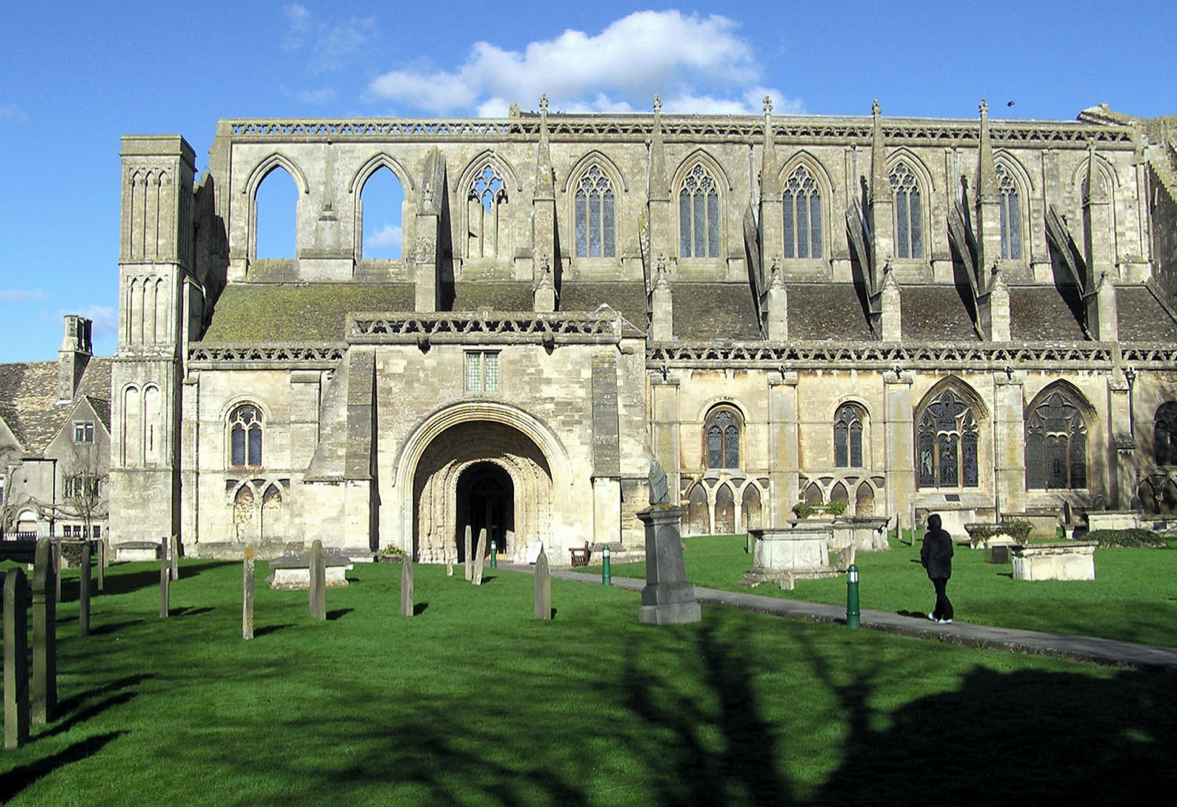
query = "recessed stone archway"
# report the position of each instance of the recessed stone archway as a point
(487, 465)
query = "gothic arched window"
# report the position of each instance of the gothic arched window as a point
(802, 204)
(1056, 445)
(848, 423)
(1011, 217)
(698, 215)
(245, 432)
(486, 205)
(722, 431)
(947, 440)
(908, 230)
(595, 231)
(1165, 434)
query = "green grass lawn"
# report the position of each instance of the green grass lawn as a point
(474, 702)
(1133, 598)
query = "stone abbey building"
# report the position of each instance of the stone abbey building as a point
(974, 317)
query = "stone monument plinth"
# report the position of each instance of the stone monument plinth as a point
(667, 599)
(784, 554)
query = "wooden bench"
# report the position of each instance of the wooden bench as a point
(580, 557)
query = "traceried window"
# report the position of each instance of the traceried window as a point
(698, 215)
(947, 439)
(245, 436)
(802, 204)
(722, 430)
(486, 212)
(595, 232)
(1056, 445)
(908, 230)
(482, 371)
(1011, 220)
(1165, 434)
(84, 432)
(848, 436)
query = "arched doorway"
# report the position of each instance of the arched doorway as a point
(479, 473)
(486, 500)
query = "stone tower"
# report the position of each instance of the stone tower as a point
(155, 258)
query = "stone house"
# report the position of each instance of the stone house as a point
(973, 317)
(55, 441)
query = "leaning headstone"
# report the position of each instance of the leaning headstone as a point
(174, 556)
(247, 595)
(44, 636)
(667, 599)
(165, 578)
(543, 588)
(478, 555)
(16, 658)
(469, 557)
(407, 585)
(84, 592)
(318, 595)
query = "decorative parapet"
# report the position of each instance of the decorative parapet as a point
(873, 355)
(228, 356)
(489, 327)
(786, 129)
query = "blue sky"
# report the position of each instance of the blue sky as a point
(76, 76)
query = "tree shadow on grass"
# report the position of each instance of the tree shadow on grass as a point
(83, 715)
(17, 779)
(188, 610)
(112, 627)
(419, 608)
(69, 704)
(337, 613)
(268, 629)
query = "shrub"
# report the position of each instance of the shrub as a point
(1018, 530)
(836, 508)
(803, 509)
(1128, 538)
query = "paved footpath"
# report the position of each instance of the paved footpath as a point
(1078, 648)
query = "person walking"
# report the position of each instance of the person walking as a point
(936, 556)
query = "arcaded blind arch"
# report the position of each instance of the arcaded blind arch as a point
(1011, 216)
(848, 429)
(908, 218)
(1165, 434)
(802, 215)
(245, 436)
(722, 433)
(1056, 444)
(698, 215)
(595, 215)
(947, 440)
(486, 213)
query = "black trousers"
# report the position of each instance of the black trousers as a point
(943, 604)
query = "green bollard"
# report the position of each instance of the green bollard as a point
(606, 572)
(494, 556)
(852, 612)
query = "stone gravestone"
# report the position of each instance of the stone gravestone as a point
(165, 578)
(247, 595)
(478, 557)
(469, 557)
(44, 636)
(667, 599)
(407, 585)
(174, 556)
(84, 592)
(543, 588)
(318, 595)
(101, 564)
(16, 658)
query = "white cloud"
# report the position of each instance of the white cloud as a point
(387, 237)
(19, 295)
(12, 112)
(687, 57)
(317, 97)
(331, 44)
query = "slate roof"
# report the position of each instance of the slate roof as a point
(28, 399)
(827, 312)
(1041, 314)
(935, 314)
(707, 311)
(509, 295)
(1142, 318)
(626, 298)
(312, 312)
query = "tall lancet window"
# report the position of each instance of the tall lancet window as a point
(595, 232)
(802, 204)
(908, 228)
(698, 215)
(245, 428)
(487, 204)
(1011, 217)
